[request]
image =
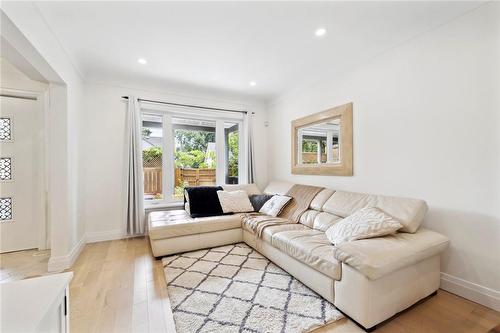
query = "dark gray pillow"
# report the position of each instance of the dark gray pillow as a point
(258, 200)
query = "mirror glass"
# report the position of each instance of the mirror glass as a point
(319, 143)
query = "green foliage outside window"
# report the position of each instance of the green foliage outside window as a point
(179, 190)
(232, 143)
(309, 146)
(195, 159)
(189, 140)
(151, 153)
(146, 132)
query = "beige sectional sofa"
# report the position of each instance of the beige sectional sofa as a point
(369, 280)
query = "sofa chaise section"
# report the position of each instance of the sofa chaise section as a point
(175, 231)
(383, 276)
(380, 256)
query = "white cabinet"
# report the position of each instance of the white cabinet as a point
(36, 305)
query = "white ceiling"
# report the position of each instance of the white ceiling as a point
(224, 45)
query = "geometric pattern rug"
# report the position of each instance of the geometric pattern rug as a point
(234, 288)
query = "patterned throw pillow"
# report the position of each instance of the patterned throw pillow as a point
(275, 205)
(365, 223)
(234, 201)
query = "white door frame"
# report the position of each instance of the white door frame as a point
(42, 99)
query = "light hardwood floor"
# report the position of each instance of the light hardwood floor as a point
(23, 264)
(119, 287)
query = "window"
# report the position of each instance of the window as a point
(320, 143)
(232, 149)
(5, 209)
(5, 129)
(185, 147)
(5, 168)
(311, 149)
(152, 157)
(195, 157)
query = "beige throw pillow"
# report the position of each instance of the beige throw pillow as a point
(365, 223)
(235, 201)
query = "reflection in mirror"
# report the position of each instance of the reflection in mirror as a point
(322, 143)
(319, 143)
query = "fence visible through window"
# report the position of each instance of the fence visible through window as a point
(152, 143)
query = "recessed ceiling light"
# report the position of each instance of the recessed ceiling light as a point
(142, 61)
(252, 83)
(320, 32)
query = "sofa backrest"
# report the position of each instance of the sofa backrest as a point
(251, 189)
(410, 212)
(329, 206)
(320, 199)
(278, 187)
(318, 220)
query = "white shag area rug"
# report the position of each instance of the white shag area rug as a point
(233, 288)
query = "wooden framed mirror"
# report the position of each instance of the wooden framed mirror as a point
(322, 143)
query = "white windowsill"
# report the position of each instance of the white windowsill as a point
(154, 206)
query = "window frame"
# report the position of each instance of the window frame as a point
(220, 117)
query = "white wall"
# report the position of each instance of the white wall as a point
(13, 78)
(102, 145)
(426, 125)
(27, 32)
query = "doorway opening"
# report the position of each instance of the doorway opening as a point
(24, 241)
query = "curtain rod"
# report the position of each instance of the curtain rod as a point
(189, 105)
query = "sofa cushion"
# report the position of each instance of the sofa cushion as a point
(268, 232)
(310, 247)
(174, 223)
(325, 220)
(377, 257)
(251, 224)
(318, 220)
(320, 199)
(410, 212)
(308, 217)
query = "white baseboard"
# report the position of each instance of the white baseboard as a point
(474, 292)
(60, 263)
(107, 235)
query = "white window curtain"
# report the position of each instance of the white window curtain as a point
(134, 184)
(250, 148)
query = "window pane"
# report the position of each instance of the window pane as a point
(194, 154)
(152, 142)
(319, 143)
(310, 151)
(5, 129)
(5, 168)
(231, 134)
(5, 209)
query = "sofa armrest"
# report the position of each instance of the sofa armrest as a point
(376, 257)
